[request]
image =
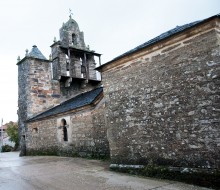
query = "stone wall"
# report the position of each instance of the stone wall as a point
(36, 92)
(162, 104)
(44, 92)
(87, 135)
(75, 88)
(90, 133)
(23, 98)
(41, 138)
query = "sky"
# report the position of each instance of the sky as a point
(111, 27)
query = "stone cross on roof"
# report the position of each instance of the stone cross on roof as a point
(71, 13)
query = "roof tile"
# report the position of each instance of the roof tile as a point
(36, 53)
(71, 104)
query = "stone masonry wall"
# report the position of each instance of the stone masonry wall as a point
(90, 133)
(23, 70)
(164, 107)
(86, 131)
(44, 92)
(41, 138)
(75, 89)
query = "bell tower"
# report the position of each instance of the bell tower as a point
(70, 35)
(36, 91)
(73, 62)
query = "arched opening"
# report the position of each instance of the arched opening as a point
(74, 41)
(65, 132)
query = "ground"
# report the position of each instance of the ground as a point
(65, 173)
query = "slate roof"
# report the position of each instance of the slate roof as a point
(71, 104)
(36, 53)
(176, 30)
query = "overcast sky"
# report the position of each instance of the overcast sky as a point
(110, 27)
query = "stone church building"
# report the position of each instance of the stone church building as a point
(157, 103)
(61, 105)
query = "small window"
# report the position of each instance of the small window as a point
(74, 41)
(23, 137)
(65, 135)
(65, 132)
(35, 130)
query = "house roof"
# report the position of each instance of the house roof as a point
(71, 104)
(3, 127)
(176, 30)
(36, 53)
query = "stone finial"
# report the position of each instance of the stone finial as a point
(26, 54)
(54, 40)
(50, 57)
(18, 59)
(88, 47)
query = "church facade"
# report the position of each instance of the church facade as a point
(157, 103)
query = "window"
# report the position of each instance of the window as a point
(65, 135)
(74, 41)
(23, 137)
(65, 132)
(35, 130)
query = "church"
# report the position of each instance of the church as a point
(61, 105)
(157, 103)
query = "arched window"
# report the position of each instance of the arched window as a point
(74, 41)
(65, 132)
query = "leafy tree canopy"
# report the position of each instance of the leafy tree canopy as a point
(12, 131)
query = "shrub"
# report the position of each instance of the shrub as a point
(7, 148)
(12, 132)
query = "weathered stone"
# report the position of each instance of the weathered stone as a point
(161, 102)
(55, 95)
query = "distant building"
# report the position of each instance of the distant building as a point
(160, 102)
(6, 138)
(3, 129)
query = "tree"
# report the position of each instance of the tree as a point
(12, 131)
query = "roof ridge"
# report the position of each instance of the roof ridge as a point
(160, 37)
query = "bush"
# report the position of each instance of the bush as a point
(7, 148)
